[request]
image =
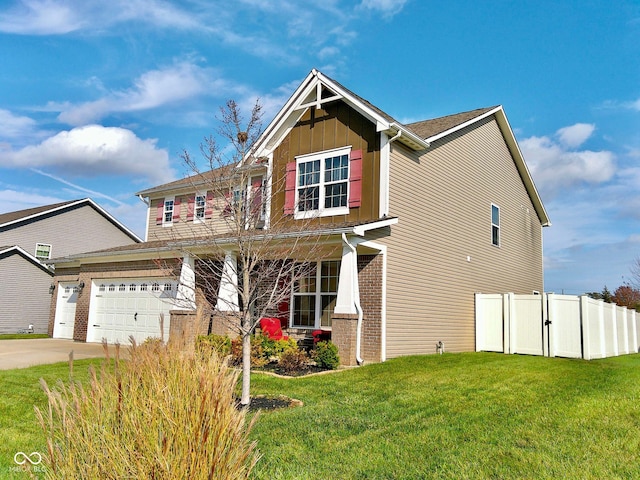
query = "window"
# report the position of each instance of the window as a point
(495, 225)
(43, 251)
(132, 287)
(167, 217)
(314, 295)
(199, 207)
(322, 183)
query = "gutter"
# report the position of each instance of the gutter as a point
(356, 302)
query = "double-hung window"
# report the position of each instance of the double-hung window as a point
(322, 183)
(199, 207)
(167, 216)
(495, 225)
(315, 294)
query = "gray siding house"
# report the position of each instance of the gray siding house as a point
(29, 239)
(415, 219)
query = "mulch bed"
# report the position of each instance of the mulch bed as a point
(263, 402)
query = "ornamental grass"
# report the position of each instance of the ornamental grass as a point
(164, 413)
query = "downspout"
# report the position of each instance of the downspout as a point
(395, 137)
(146, 228)
(356, 302)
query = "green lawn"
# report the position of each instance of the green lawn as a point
(22, 336)
(476, 415)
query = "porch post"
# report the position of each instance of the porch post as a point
(186, 298)
(344, 321)
(348, 283)
(228, 291)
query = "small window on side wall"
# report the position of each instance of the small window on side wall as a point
(495, 225)
(43, 251)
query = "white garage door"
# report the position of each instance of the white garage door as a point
(65, 310)
(129, 307)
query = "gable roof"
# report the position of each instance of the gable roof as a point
(17, 218)
(433, 127)
(216, 176)
(317, 89)
(16, 250)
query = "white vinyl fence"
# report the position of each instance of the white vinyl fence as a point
(555, 326)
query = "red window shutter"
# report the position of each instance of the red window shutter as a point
(355, 179)
(208, 209)
(190, 208)
(290, 189)
(256, 201)
(228, 200)
(160, 212)
(176, 210)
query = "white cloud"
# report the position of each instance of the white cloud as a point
(153, 89)
(575, 135)
(40, 17)
(95, 150)
(13, 200)
(387, 7)
(51, 17)
(556, 165)
(14, 126)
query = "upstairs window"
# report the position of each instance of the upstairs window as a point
(43, 251)
(495, 225)
(167, 217)
(324, 183)
(199, 207)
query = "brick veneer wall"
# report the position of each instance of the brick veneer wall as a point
(88, 273)
(370, 281)
(344, 326)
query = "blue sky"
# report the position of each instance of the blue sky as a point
(99, 98)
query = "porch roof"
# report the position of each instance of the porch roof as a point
(171, 248)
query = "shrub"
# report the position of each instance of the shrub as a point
(220, 344)
(258, 357)
(325, 355)
(275, 348)
(164, 414)
(293, 361)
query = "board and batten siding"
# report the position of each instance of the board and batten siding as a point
(334, 125)
(440, 253)
(25, 294)
(77, 230)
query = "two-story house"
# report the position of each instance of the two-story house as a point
(28, 241)
(414, 219)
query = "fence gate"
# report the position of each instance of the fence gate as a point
(555, 326)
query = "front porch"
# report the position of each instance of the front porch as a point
(343, 297)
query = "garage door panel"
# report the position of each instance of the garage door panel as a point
(124, 308)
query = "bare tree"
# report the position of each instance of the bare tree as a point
(635, 273)
(245, 257)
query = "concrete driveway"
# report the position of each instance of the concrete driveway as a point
(38, 351)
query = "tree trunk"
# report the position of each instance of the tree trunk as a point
(246, 368)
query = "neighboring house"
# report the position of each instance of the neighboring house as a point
(30, 238)
(427, 214)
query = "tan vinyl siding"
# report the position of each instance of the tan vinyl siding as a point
(187, 229)
(68, 232)
(443, 200)
(335, 125)
(24, 294)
